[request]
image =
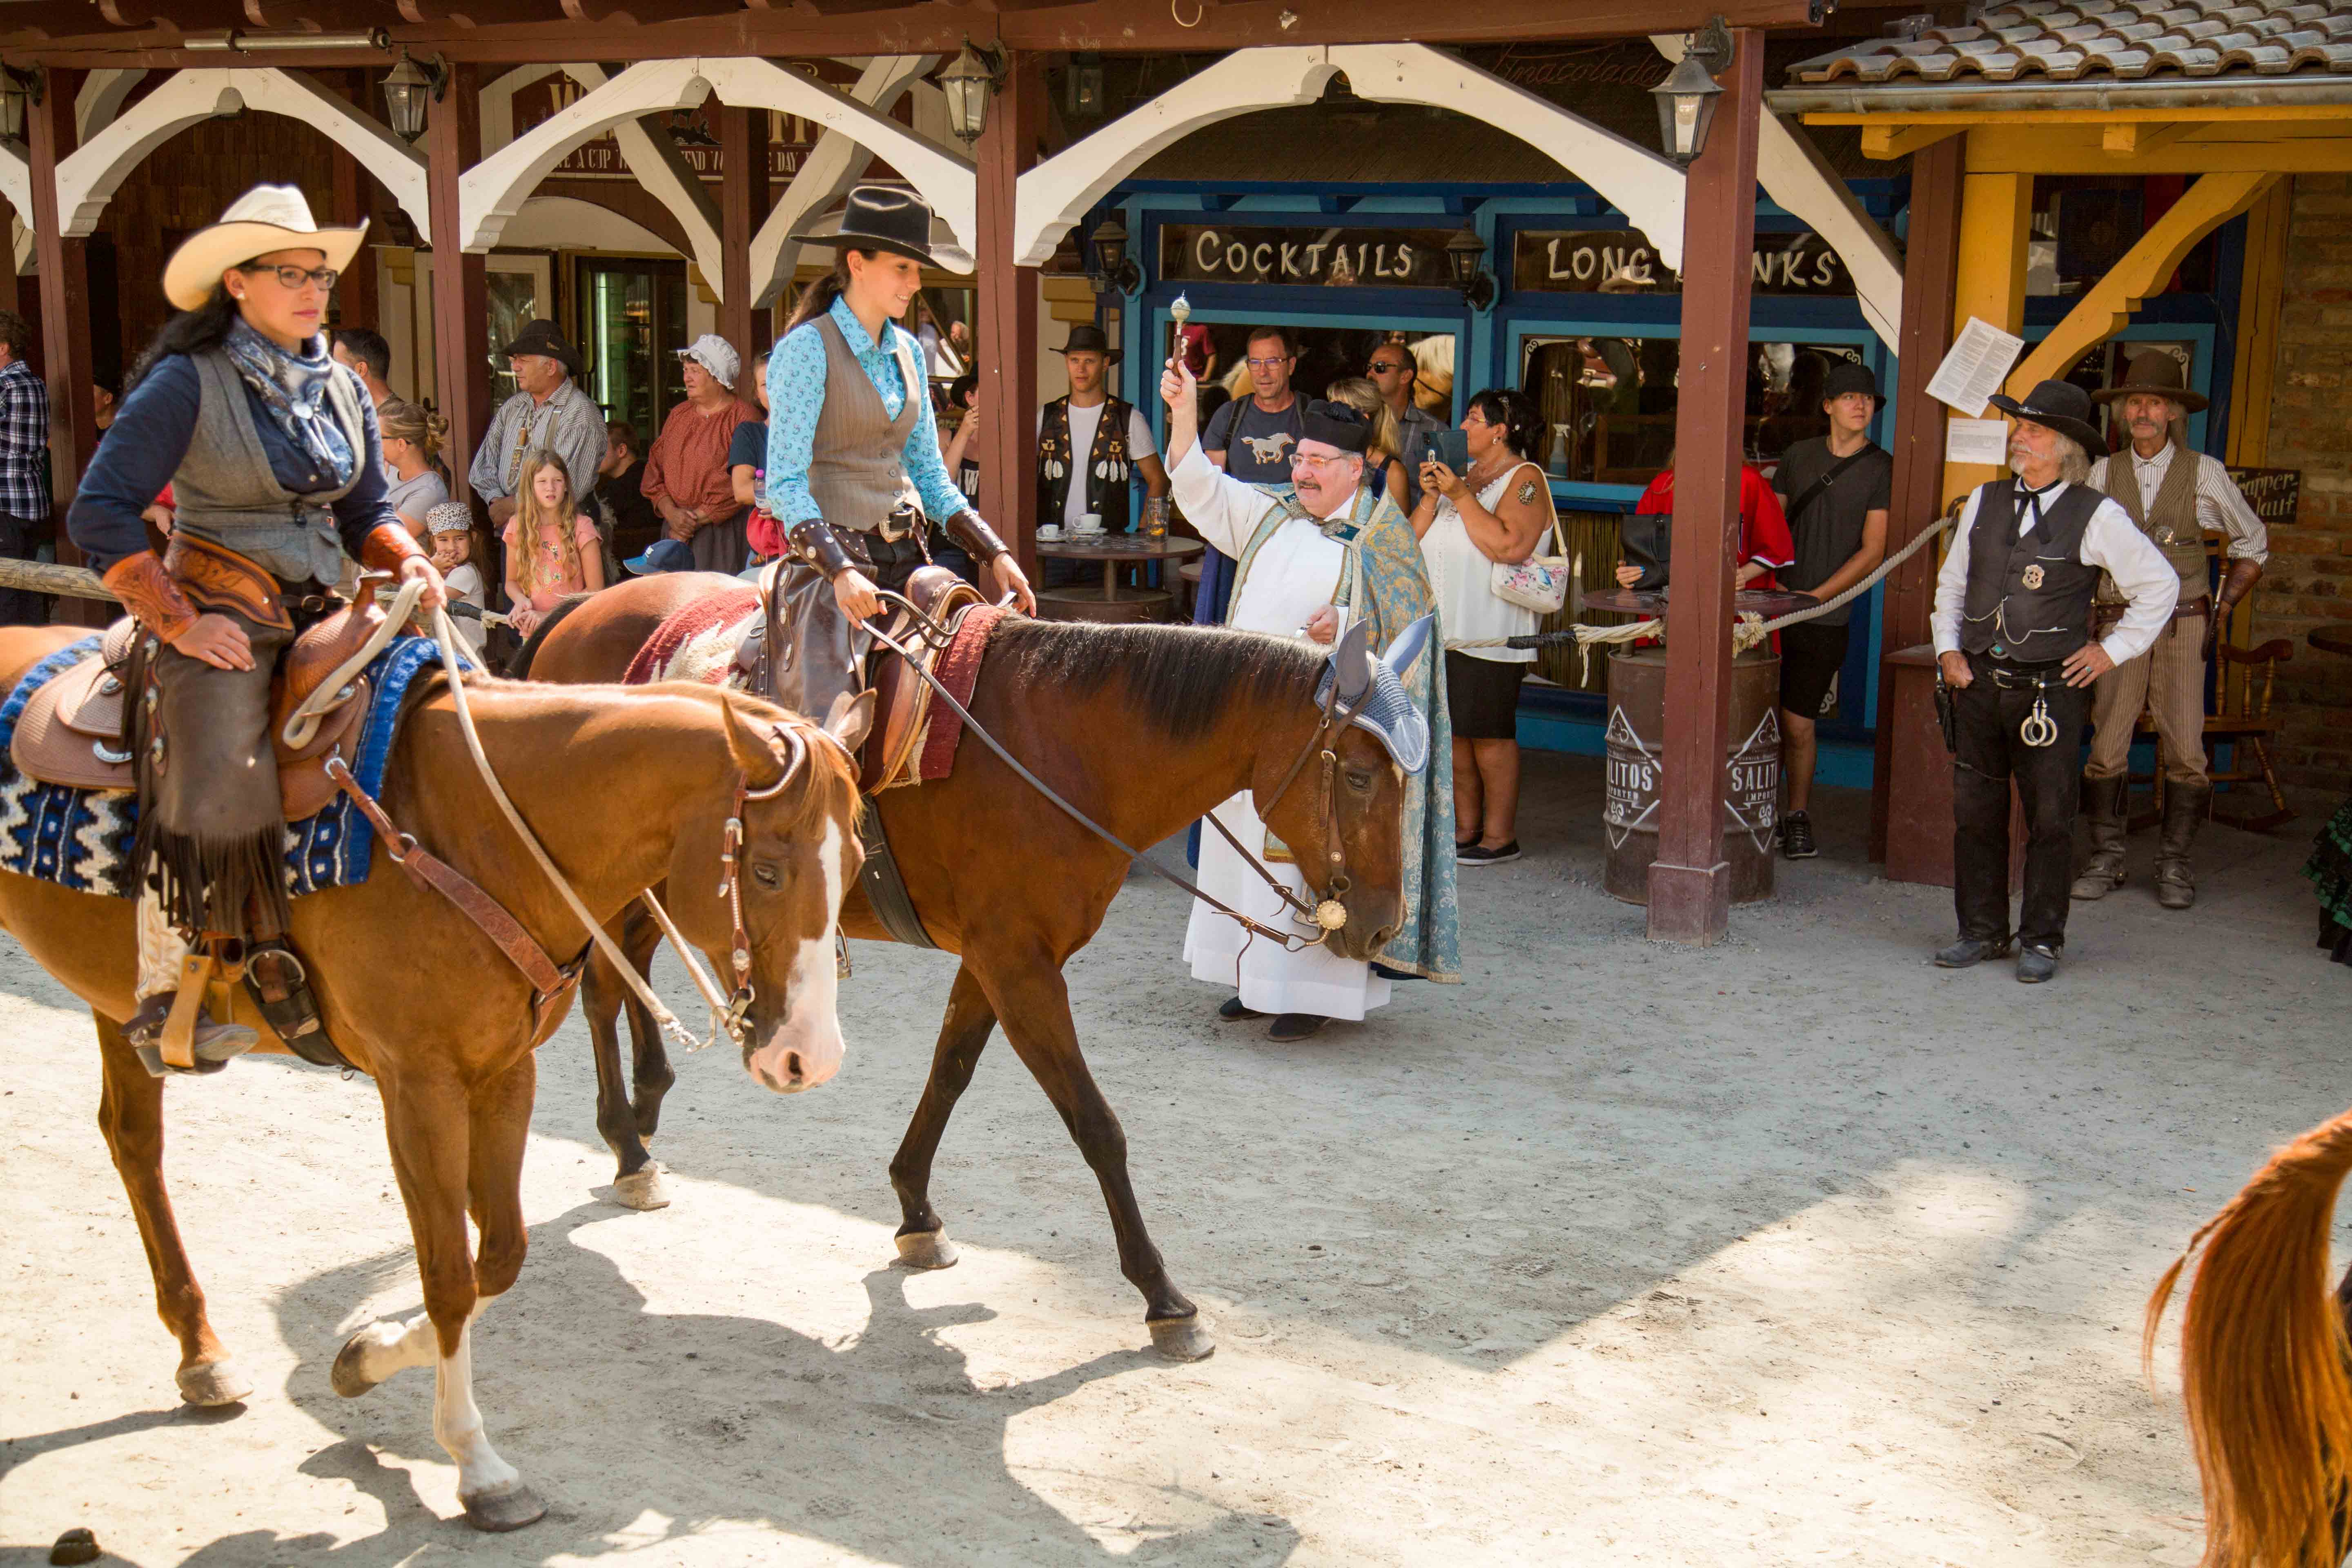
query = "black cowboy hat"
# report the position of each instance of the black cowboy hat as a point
(880, 219)
(2156, 373)
(541, 338)
(1087, 338)
(2059, 405)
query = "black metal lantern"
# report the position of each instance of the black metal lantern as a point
(1114, 267)
(409, 93)
(1686, 99)
(1082, 86)
(970, 82)
(1465, 262)
(18, 91)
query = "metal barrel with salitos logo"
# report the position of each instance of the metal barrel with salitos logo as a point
(1636, 749)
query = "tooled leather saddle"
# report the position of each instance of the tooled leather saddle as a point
(78, 728)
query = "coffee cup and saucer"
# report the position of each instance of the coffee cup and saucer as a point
(1051, 532)
(1089, 523)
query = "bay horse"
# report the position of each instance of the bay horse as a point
(625, 790)
(2263, 1371)
(1144, 727)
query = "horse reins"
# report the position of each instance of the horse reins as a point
(1328, 915)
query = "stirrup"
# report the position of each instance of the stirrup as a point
(211, 1046)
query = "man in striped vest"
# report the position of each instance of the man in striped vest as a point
(2175, 497)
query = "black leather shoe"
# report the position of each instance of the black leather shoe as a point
(1797, 836)
(1234, 1012)
(1295, 1027)
(1969, 952)
(2036, 964)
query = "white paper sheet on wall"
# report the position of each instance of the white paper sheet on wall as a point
(1976, 367)
(1976, 441)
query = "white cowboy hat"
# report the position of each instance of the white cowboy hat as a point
(265, 218)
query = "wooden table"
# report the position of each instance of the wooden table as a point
(2331, 642)
(1114, 603)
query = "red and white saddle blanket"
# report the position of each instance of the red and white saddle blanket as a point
(697, 643)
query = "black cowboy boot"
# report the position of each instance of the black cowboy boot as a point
(2102, 811)
(2184, 809)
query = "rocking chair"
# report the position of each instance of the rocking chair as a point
(2244, 722)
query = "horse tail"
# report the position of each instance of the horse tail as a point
(2263, 1363)
(518, 668)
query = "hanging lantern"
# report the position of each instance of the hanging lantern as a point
(970, 82)
(18, 91)
(1082, 87)
(409, 93)
(1114, 269)
(1465, 262)
(1687, 98)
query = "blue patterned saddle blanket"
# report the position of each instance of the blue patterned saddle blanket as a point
(80, 838)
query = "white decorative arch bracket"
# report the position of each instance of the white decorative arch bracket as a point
(89, 175)
(1057, 193)
(493, 191)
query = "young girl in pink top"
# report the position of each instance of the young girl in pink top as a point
(551, 546)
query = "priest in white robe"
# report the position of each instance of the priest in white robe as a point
(1312, 560)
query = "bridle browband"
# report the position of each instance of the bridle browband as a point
(1328, 914)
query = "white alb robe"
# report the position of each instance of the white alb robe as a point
(1293, 575)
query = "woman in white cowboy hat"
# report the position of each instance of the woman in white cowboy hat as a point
(271, 450)
(854, 465)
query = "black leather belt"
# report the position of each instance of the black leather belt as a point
(2021, 677)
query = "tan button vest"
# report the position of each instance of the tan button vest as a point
(2170, 524)
(857, 471)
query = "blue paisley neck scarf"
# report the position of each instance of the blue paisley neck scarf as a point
(293, 388)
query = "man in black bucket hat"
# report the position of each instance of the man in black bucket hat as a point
(2013, 626)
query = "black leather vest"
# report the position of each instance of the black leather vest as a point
(2028, 598)
(1104, 467)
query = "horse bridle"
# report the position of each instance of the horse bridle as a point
(731, 1012)
(1329, 913)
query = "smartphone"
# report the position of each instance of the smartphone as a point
(1450, 448)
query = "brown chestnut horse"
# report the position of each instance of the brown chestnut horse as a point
(1144, 727)
(2262, 1363)
(625, 790)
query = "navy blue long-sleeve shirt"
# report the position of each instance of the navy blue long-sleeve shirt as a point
(150, 435)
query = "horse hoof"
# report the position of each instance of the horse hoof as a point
(926, 1249)
(641, 1190)
(493, 1512)
(349, 1376)
(1182, 1339)
(214, 1383)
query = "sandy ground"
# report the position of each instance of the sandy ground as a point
(1795, 1251)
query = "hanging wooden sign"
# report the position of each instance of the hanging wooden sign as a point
(1620, 261)
(2273, 493)
(1375, 258)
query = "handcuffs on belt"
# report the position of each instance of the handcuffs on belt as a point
(2037, 727)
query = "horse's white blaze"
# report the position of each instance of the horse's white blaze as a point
(457, 1422)
(811, 1031)
(389, 1345)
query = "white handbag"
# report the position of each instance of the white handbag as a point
(1541, 582)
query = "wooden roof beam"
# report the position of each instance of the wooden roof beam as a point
(2135, 136)
(1884, 141)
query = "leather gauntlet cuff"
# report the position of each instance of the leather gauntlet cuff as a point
(2240, 582)
(148, 592)
(813, 543)
(387, 547)
(967, 530)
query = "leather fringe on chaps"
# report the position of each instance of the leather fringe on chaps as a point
(229, 886)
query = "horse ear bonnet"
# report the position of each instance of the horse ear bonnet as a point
(1383, 705)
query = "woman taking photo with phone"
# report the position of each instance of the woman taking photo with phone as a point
(1497, 512)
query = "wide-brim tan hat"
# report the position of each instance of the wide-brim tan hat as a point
(265, 218)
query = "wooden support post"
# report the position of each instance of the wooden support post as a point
(1996, 222)
(64, 307)
(461, 309)
(355, 294)
(743, 206)
(1008, 311)
(1690, 882)
(1930, 266)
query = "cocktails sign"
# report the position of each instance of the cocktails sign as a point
(1377, 257)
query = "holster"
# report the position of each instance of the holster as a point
(1947, 718)
(215, 577)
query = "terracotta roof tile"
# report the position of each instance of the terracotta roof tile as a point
(2123, 39)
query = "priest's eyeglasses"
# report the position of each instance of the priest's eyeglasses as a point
(1316, 460)
(295, 276)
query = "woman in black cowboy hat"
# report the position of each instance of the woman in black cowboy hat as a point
(854, 466)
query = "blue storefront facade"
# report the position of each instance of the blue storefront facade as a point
(1578, 307)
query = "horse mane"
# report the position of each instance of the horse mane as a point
(1184, 678)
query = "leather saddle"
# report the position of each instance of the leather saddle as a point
(902, 698)
(76, 729)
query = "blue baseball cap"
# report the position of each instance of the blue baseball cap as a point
(665, 556)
